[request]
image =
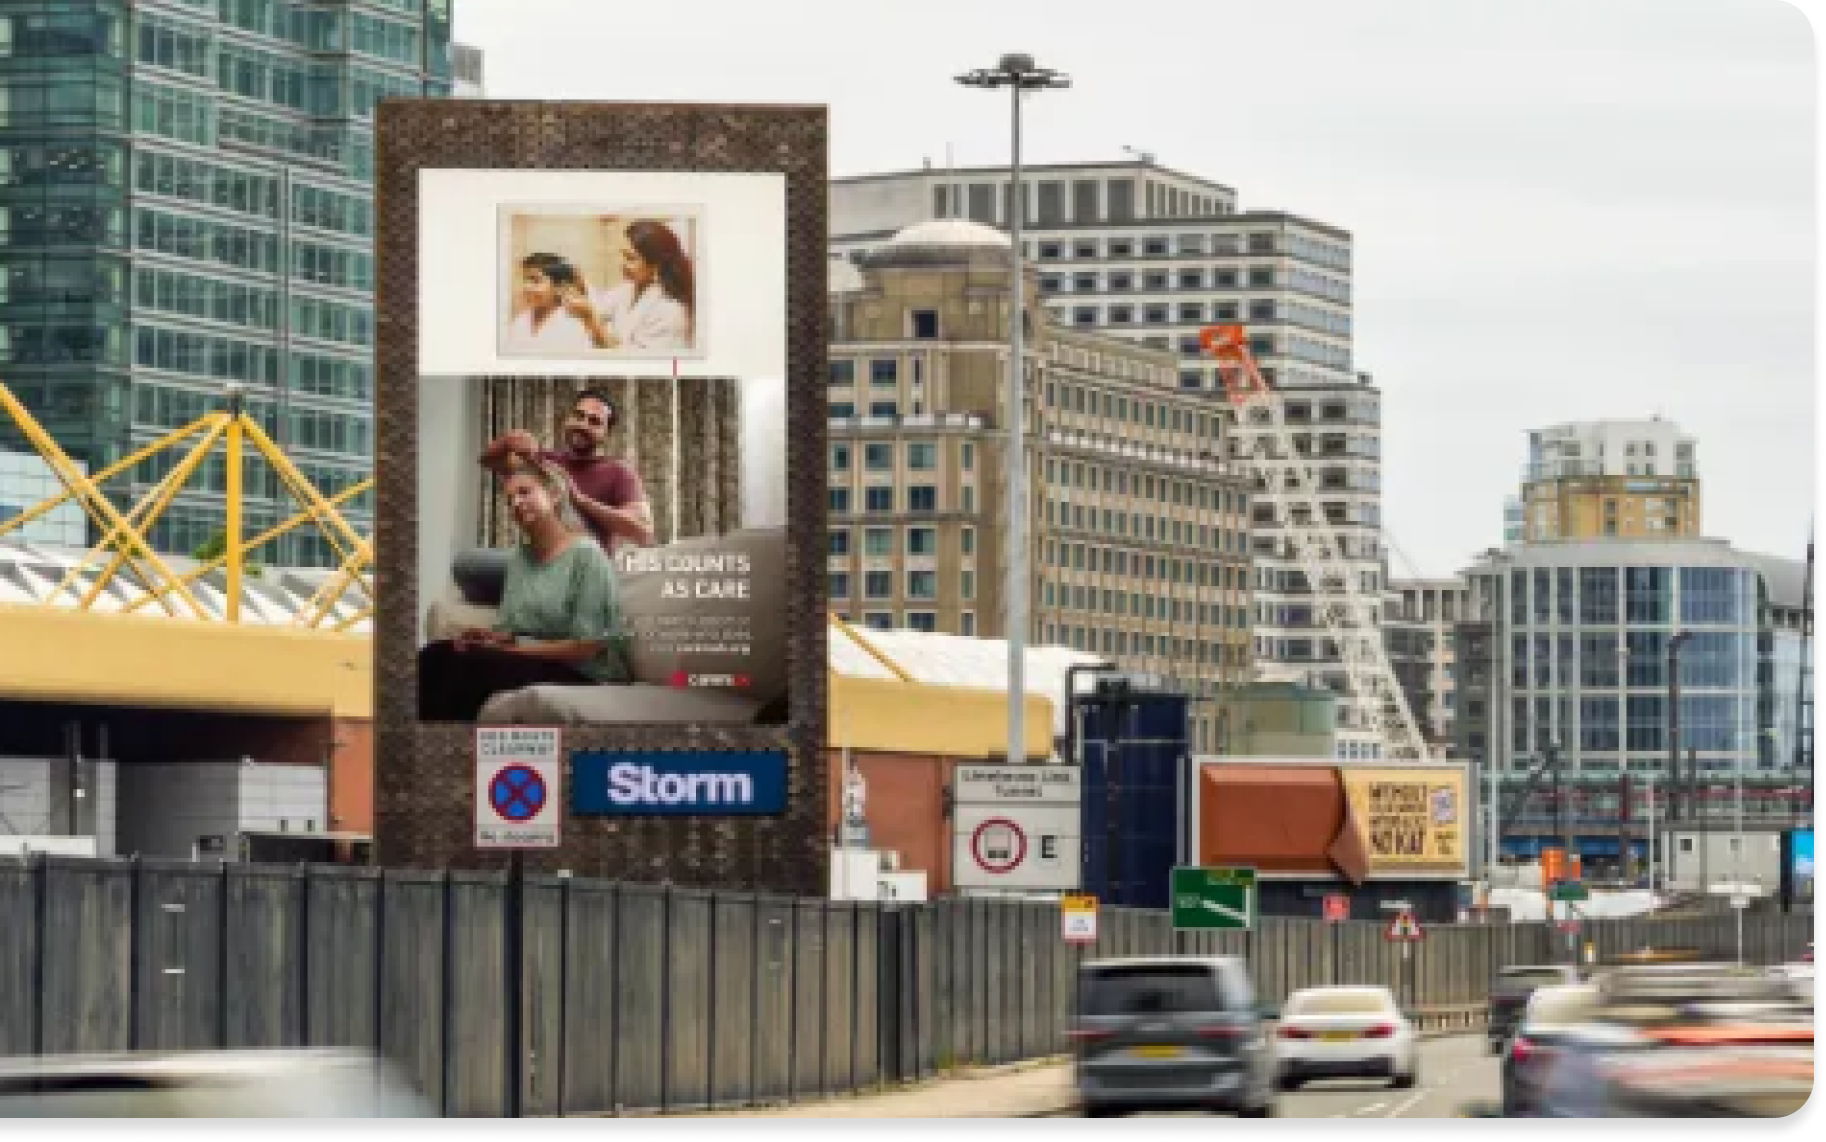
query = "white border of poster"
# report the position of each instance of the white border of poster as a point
(741, 283)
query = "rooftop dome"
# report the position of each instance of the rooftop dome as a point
(842, 276)
(942, 242)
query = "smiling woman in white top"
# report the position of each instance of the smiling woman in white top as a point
(654, 307)
(558, 316)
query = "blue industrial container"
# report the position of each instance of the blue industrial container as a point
(1135, 757)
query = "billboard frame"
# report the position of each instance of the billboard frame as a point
(418, 821)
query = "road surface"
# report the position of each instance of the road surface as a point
(1453, 1071)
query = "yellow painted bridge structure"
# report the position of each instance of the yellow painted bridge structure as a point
(118, 624)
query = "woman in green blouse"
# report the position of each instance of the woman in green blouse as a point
(559, 622)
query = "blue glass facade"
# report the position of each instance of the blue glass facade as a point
(186, 199)
(1587, 664)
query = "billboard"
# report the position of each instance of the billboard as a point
(1296, 819)
(601, 359)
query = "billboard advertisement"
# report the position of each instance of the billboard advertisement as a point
(1297, 819)
(601, 361)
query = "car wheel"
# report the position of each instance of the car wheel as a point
(1266, 1109)
(1407, 1081)
(1095, 1110)
(1287, 1083)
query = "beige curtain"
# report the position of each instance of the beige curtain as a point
(684, 437)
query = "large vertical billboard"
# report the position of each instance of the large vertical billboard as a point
(600, 383)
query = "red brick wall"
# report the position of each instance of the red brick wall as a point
(904, 807)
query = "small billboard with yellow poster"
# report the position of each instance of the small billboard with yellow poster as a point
(1414, 819)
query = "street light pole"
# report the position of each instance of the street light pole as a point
(1018, 73)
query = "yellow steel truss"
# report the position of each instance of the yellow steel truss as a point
(124, 547)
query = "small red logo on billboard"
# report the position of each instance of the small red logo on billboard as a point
(680, 679)
(713, 681)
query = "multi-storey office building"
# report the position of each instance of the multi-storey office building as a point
(1418, 618)
(1610, 479)
(1149, 255)
(1565, 647)
(186, 200)
(1138, 528)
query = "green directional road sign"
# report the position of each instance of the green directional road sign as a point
(1208, 898)
(1569, 891)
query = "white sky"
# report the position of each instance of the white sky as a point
(1562, 209)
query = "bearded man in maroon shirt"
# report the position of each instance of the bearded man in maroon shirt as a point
(607, 493)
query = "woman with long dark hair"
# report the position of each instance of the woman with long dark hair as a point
(654, 308)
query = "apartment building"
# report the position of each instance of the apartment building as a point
(1418, 621)
(186, 194)
(1564, 648)
(1608, 479)
(1138, 525)
(1145, 254)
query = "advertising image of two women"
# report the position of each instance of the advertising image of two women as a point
(589, 284)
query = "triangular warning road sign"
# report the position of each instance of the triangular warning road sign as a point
(1404, 927)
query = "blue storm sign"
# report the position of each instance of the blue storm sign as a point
(647, 783)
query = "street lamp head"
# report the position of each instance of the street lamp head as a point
(1015, 70)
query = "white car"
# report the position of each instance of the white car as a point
(1345, 1032)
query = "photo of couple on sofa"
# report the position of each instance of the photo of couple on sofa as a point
(552, 628)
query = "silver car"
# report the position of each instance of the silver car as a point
(315, 1083)
(1171, 1033)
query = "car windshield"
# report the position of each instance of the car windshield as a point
(1530, 977)
(1338, 1003)
(1149, 989)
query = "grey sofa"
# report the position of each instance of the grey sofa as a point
(653, 696)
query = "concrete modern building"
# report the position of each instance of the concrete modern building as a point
(1418, 618)
(1146, 254)
(1565, 652)
(1609, 479)
(1139, 526)
(186, 192)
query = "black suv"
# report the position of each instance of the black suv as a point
(1171, 1033)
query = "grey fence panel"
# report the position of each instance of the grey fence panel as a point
(178, 982)
(839, 995)
(1042, 943)
(263, 977)
(476, 988)
(690, 932)
(542, 1014)
(20, 886)
(88, 945)
(343, 946)
(773, 1043)
(1010, 967)
(981, 972)
(808, 998)
(589, 998)
(929, 1026)
(640, 998)
(734, 992)
(952, 954)
(414, 974)
(869, 989)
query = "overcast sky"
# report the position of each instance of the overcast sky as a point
(1562, 209)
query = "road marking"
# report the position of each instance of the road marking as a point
(1406, 1105)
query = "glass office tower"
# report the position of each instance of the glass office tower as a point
(186, 200)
